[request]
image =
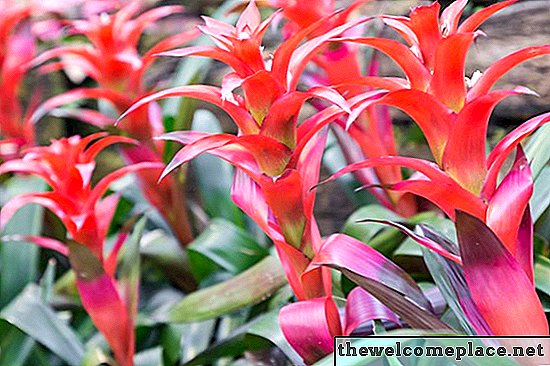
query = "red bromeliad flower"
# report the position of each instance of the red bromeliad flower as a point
(114, 62)
(434, 65)
(270, 150)
(339, 65)
(277, 162)
(67, 166)
(17, 48)
(464, 182)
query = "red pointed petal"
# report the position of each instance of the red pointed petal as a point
(447, 83)
(330, 95)
(27, 167)
(270, 155)
(207, 93)
(362, 307)
(250, 18)
(284, 53)
(464, 157)
(416, 72)
(386, 83)
(312, 339)
(213, 53)
(309, 167)
(110, 262)
(86, 53)
(41, 241)
(502, 66)
(498, 156)
(168, 44)
(436, 122)
(183, 137)
(303, 54)
(49, 200)
(478, 18)
(500, 288)
(451, 16)
(104, 212)
(134, 28)
(75, 95)
(425, 24)
(507, 206)
(447, 195)
(102, 186)
(196, 148)
(427, 168)
(89, 116)
(402, 25)
(97, 147)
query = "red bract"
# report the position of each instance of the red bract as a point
(17, 48)
(67, 166)
(339, 65)
(454, 122)
(270, 150)
(277, 160)
(434, 66)
(113, 61)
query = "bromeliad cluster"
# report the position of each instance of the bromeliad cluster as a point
(277, 155)
(67, 166)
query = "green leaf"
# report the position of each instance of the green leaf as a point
(29, 313)
(223, 246)
(542, 274)
(19, 261)
(47, 281)
(541, 195)
(15, 346)
(149, 357)
(250, 287)
(377, 236)
(129, 266)
(260, 333)
(440, 269)
(537, 150)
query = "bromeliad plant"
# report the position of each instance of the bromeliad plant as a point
(113, 60)
(67, 166)
(339, 65)
(273, 156)
(271, 153)
(486, 275)
(17, 48)
(465, 182)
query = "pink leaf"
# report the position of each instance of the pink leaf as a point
(312, 339)
(508, 204)
(489, 269)
(362, 307)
